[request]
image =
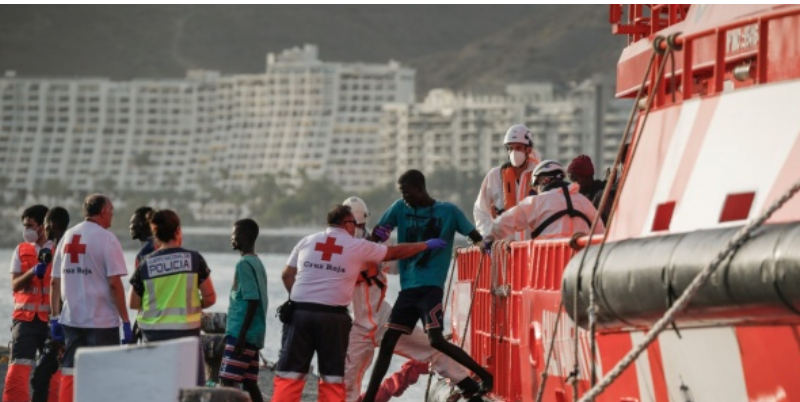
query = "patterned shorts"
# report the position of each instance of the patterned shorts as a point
(413, 304)
(239, 368)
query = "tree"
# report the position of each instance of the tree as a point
(106, 185)
(52, 190)
(308, 205)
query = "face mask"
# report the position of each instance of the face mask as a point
(360, 233)
(30, 235)
(517, 158)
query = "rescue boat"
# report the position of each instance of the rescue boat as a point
(693, 293)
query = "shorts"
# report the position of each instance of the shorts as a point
(412, 304)
(324, 332)
(239, 368)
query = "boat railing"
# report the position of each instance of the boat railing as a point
(501, 288)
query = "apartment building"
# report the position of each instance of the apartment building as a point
(353, 123)
(301, 117)
(86, 133)
(466, 131)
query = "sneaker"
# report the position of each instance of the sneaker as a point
(468, 387)
(486, 386)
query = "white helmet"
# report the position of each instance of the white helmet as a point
(548, 168)
(518, 134)
(359, 209)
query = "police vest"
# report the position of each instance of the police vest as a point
(34, 300)
(171, 299)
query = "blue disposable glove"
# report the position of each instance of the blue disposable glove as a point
(486, 245)
(435, 244)
(382, 232)
(127, 334)
(56, 332)
(40, 269)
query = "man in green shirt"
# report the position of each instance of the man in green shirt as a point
(247, 313)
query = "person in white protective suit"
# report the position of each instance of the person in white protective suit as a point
(557, 211)
(505, 186)
(370, 313)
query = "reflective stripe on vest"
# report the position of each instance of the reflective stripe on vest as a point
(31, 307)
(37, 293)
(171, 302)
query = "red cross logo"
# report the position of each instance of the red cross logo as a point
(75, 248)
(329, 248)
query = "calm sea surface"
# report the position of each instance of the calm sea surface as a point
(222, 269)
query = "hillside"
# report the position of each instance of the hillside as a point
(461, 47)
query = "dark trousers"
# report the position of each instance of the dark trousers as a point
(28, 338)
(46, 367)
(86, 337)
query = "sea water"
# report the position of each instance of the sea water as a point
(222, 269)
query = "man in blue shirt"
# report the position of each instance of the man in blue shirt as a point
(418, 217)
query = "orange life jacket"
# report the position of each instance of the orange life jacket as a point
(510, 187)
(35, 298)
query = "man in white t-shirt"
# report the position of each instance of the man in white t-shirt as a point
(86, 276)
(320, 277)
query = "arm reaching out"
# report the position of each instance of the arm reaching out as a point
(402, 251)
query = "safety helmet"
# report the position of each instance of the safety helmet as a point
(359, 209)
(548, 168)
(518, 134)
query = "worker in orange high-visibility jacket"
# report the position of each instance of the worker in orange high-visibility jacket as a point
(30, 280)
(320, 276)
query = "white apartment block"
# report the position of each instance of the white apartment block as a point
(301, 117)
(355, 124)
(466, 131)
(91, 133)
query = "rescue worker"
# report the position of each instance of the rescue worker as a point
(320, 276)
(554, 212)
(507, 185)
(30, 275)
(247, 313)
(581, 171)
(418, 217)
(370, 314)
(47, 374)
(169, 271)
(86, 276)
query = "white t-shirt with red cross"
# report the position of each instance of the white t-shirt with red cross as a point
(87, 256)
(328, 264)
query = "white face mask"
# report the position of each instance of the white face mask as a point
(360, 233)
(517, 158)
(30, 235)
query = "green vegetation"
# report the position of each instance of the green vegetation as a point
(268, 202)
